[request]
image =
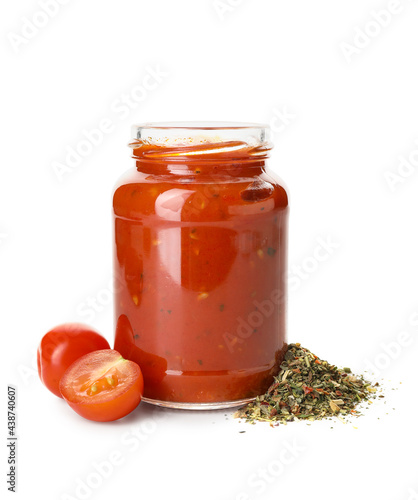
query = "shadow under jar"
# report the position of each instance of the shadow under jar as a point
(200, 259)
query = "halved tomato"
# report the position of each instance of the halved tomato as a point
(102, 386)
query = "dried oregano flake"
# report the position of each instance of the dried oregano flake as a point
(308, 388)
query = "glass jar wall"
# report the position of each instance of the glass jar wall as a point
(200, 255)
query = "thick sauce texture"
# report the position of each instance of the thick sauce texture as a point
(200, 265)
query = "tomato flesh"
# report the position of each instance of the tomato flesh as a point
(63, 345)
(102, 386)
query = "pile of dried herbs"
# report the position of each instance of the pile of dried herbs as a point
(308, 388)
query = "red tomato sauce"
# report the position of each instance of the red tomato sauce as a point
(200, 262)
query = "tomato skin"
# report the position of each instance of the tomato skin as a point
(63, 345)
(112, 403)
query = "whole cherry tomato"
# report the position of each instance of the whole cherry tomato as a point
(63, 345)
(102, 386)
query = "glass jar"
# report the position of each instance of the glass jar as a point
(200, 263)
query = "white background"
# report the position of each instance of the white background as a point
(349, 107)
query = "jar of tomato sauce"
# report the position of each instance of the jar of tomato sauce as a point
(200, 255)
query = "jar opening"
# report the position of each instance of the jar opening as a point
(197, 140)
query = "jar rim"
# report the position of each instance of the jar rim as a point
(189, 138)
(198, 125)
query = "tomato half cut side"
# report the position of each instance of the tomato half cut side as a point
(102, 386)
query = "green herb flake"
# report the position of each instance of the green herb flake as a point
(200, 362)
(271, 251)
(221, 307)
